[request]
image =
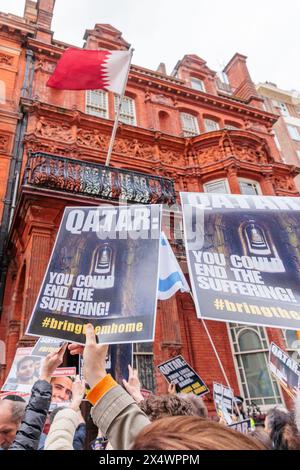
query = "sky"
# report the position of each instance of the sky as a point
(266, 31)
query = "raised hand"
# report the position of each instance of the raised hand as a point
(52, 362)
(133, 385)
(94, 356)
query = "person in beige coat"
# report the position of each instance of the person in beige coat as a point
(62, 430)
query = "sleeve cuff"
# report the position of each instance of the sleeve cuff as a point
(100, 389)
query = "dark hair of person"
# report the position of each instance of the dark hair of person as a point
(192, 433)
(260, 435)
(198, 406)
(282, 430)
(156, 407)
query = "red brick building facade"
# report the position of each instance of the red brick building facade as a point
(190, 129)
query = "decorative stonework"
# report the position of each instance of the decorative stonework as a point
(284, 183)
(6, 59)
(4, 143)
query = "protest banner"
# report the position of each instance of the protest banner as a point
(25, 370)
(62, 380)
(103, 270)
(224, 402)
(242, 426)
(285, 369)
(244, 258)
(180, 373)
(45, 346)
(118, 358)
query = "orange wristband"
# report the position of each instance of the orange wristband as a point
(100, 389)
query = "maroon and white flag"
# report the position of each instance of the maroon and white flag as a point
(80, 69)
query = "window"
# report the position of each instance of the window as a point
(189, 125)
(276, 140)
(250, 349)
(197, 84)
(97, 103)
(283, 109)
(220, 186)
(249, 187)
(127, 115)
(231, 127)
(211, 125)
(143, 362)
(291, 340)
(294, 132)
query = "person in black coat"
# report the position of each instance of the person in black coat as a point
(28, 435)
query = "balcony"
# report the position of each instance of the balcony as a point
(57, 173)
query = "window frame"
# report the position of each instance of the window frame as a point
(221, 180)
(185, 131)
(211, 120)
(89, 105)
(279, 399)
(135, 362)
(291, 129)
(200, 82)
(252, 182)
(122, 114)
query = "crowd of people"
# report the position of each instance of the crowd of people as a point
(125, 420)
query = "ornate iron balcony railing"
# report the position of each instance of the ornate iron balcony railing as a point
(94, 180)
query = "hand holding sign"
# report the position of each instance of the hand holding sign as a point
(78, 392)
(52, 362)
(94, 356)
(75, 349)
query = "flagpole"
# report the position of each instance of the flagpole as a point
(217, 356)
(114, 131)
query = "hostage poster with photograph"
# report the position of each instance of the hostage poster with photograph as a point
(224, 402)
(180, 373)
(62, 381)
(103, 270)
(24, 372)
(244, 257)
(285, 369)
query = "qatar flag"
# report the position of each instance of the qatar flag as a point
(80, 69)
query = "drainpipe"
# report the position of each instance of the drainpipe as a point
(14, 172)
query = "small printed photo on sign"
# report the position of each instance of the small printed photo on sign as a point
(285, 369)
(24, 372)
(180, 373)
(62, 383)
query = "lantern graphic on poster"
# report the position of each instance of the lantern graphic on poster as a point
(258, 244)
(103, 266)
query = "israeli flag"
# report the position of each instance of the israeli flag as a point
(171, 277)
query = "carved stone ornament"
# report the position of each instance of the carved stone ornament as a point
(6, 59)
(4, 142)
